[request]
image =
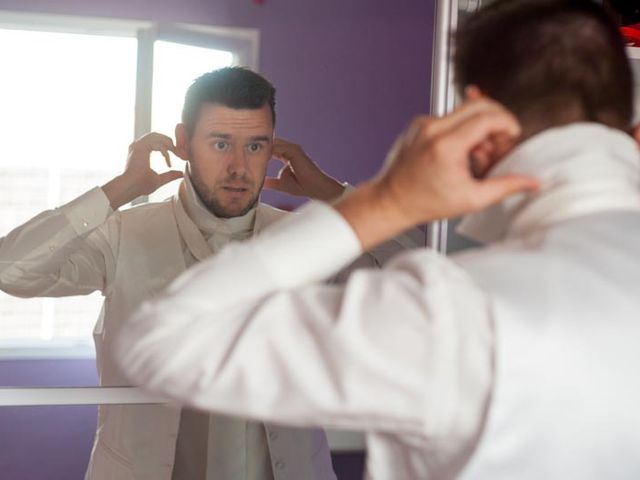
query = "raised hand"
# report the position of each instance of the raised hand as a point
(300, 175)
(428, 174)
(139, 178)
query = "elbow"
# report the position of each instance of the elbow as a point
(157, 350)
(14, 285)
(19, 283)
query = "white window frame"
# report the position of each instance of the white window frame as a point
(339, 440)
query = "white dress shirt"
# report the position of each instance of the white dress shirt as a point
(431, 356)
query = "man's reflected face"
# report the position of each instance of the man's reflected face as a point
(228, 155)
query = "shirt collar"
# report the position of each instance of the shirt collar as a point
(200, 229)
(583, 168)
(207, 222)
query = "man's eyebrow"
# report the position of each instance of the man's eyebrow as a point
(260, 138)
(224, 136)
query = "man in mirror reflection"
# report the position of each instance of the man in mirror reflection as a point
(515, 360)
(227, 139)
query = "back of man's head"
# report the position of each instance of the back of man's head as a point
(551, 62)
(232, 87)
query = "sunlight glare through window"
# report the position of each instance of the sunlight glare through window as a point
(67, 120)
(176, 66)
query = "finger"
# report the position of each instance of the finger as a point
(480, 161)
(472, 92)
(432, 127)
(163, 144)
(280, 155)
(166, 144)
(291, 152)
(286, 174)
(464, 137)
(272, 183)
(282, 184)
(169, 176)
(165, 154)
(160, 138)
(281, 142)
(157, 141)
(494, 190)
(392, 154)
(283, 152)
(281, 159)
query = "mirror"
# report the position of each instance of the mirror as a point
(349, 77)
(71, 132)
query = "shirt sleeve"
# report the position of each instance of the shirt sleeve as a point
(253, 332)
(60, 252)
(381, 254)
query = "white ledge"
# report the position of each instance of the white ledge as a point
(30, 397)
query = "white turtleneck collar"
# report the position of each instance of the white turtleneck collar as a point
(583, 168)
(207, 222)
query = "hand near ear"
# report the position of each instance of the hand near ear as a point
(490, 150)
(300, 175)
(428, 175)
(138, 177)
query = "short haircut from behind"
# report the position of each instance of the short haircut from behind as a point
(550, 62)
(233, 87)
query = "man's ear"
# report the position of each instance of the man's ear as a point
(182, 142)
(635, 132)
(472, 92)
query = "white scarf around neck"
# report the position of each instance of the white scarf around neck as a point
(214, 229)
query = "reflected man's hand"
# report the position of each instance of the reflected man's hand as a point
(300, 175)
(138, 177)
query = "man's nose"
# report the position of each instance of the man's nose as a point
(237, 162)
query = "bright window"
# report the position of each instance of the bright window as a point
(67, 103)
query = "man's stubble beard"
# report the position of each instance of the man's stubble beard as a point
(209, 200)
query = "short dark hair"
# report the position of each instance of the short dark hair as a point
(232, 87)
(550, 62)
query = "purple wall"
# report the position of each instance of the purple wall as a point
(350, 75)
(46, 443)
